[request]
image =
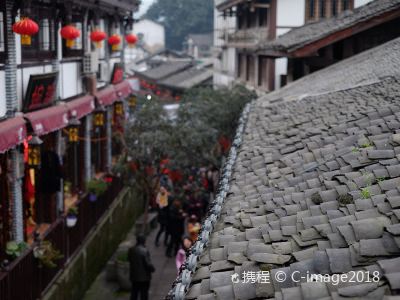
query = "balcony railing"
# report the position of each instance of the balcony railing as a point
(24, 279)
(248, 38)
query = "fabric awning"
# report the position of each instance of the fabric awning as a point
(123, 89)
(49, 119)
(106, 96)
(12, 133)
(81, 107)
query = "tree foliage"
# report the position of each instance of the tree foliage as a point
(191, 140)
(181, 18)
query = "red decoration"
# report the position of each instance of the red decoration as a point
(131, 39)
(26, 28)
(70, 33)
(97, 37)
(114, 41)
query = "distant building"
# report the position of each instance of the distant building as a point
(151, 37)
(151, 34)
(199, 45)
(243, 26)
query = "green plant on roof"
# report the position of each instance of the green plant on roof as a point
(316, 198)
(367, 145)
(365, 192)
(380, 178)
(355, 149)
(369, 176)
(345, 199)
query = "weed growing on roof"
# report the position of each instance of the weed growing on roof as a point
(355, 150)
(380, 178)
(367, 145)
(345, 199)
(316, 198)
(365, 193)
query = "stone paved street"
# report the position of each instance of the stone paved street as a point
(163, 277)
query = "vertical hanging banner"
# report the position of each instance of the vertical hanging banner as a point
(117, 74)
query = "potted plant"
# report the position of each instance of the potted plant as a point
(47, 254)
(72, 216)
(96, 188)
(122, 265)
(15, 249)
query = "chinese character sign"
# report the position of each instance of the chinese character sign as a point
(41, 91)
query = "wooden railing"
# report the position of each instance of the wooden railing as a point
(25, 279)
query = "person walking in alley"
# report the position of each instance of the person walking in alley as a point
(140, 267)
(175, 228)
(162, 203)
(181, 255)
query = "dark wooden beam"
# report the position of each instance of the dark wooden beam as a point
(313, 47)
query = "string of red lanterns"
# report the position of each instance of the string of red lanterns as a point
(26, 27)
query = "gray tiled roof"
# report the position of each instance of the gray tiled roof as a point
(329, 205)
(302, 36)
(166, 69)
(188, 78)
(365, 68)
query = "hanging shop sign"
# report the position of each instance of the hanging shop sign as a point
(117, 74)
(41, 91)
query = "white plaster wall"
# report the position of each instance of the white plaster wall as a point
(358, 3)
(225, 64)
(280, 69)
(70, 81)
(3, 106)
(153, 34)
(290, 13)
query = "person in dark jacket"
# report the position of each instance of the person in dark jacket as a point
(140, 269)
(175, 228)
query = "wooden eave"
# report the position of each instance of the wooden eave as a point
(309, 49)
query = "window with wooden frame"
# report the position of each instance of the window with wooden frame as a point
(242, 17)
(310, 10)
(263, 17)
(44, 43)
(2, 32)
(322, 9)
(77, 49)
(334, 7)
(345, 5)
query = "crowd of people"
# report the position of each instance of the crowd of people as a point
(181, 203)
(181, 208)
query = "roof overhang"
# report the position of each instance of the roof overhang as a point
(311, 48)
(123, 7)
(229, 4)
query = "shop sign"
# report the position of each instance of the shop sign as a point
(41, 91)
(117, 74)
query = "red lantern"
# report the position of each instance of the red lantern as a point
(70, 33)
(97, 37)
(131, 39)
(114, 41)
(26, 28)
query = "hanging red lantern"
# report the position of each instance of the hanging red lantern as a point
(97, 37)
(26, 28)
(114, 41)
(70, 33)
(131, 39)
